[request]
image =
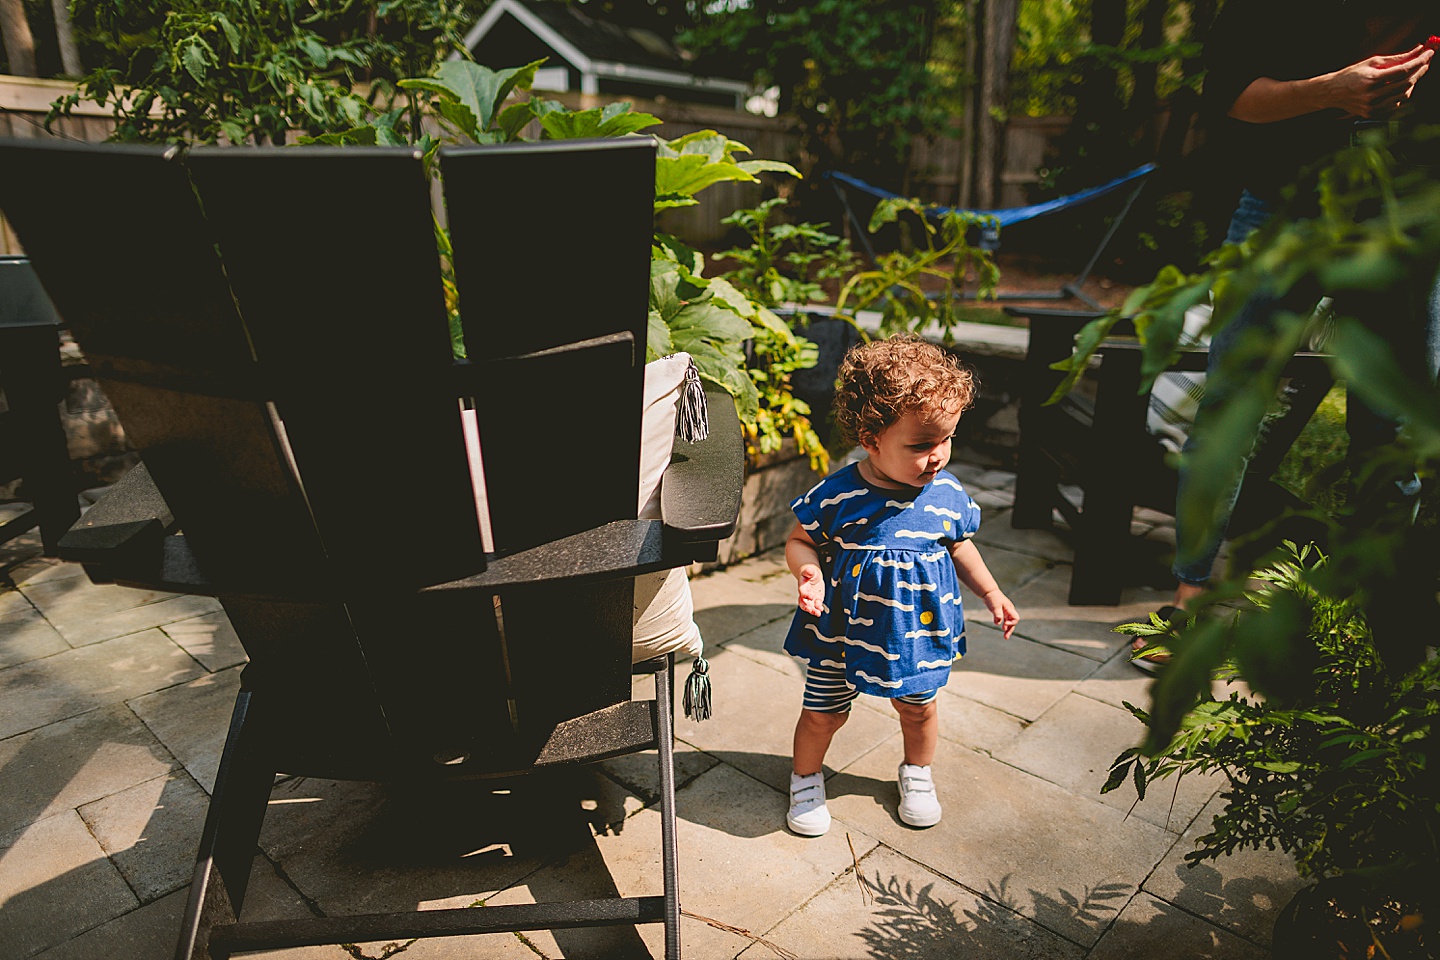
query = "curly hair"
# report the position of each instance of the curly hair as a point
(884, 380)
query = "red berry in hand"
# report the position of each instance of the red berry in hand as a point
(1433, 43)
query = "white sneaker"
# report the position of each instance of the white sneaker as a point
(808, 815)
(919, 807)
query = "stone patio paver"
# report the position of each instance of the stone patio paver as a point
(114, 706)
(67, 764)
(1073, 746)
(1064, 860)
(56, 883)
(909, 911)
(1146, 921)
(76, 681)
(1242, 892)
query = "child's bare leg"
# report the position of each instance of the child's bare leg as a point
(813, 733)
(920, 727)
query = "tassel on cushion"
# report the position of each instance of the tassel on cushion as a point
(697, 691)
(692, 418)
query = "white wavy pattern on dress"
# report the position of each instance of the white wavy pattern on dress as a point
(934, 664)
(908, 505)
(931, 557)
(918, 535)
(947, 481)
(944, 512)
(840, 497)
(810, 526)
(888, 684)
(898, 605)
(856, 546)
(897, 564)
(862, 621)
(916, 634)
(851, 641)
(951, 598)
(907, 585)
(837, 664)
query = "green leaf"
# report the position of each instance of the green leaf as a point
(626, 123)
(484, 90)
(514, 118)
(232, 36)
(1184, 681)
(688, 175)
(571, 124)
(657, 338)
(429, 86)
(233, 131)
(315, 50)
(459, 116)
(195, 56)
(768, 166)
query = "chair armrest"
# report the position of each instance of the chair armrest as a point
(700, 496)
(124, 529)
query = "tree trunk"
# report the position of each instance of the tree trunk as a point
(65, 38)
(19, 43)
(1186, 102)
(967, 136)
(1145, 101)
(999, 49)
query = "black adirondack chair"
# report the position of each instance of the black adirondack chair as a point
(268, 322)
(32, 440)
(1101, 446)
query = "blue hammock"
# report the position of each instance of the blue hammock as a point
(989, 237)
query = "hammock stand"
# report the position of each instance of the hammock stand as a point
(1006, 216)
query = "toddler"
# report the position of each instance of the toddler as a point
(878, 552)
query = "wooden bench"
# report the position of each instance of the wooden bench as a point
(1101, 447)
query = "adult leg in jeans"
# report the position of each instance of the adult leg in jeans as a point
(1230, 365)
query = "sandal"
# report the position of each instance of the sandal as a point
(1153, 663)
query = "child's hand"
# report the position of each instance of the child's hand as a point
(812, 590)
(1006, 617)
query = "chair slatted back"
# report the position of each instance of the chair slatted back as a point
(119, 242)
(332, 258)
(545, 237)
(271, 327)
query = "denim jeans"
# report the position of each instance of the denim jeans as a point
(1416, 347)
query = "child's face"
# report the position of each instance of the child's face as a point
(910, 451)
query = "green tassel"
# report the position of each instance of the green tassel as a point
(697, 691)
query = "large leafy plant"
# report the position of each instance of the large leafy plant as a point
(253, 70)
(1342, 777)
(1337, 762)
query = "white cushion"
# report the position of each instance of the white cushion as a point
(1175, 397)
(664, 612)
(664, 383)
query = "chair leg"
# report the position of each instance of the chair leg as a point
(34, 388)
(670, 854)
(232, 831)
(1102, 535)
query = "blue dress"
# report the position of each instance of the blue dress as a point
(892, 616)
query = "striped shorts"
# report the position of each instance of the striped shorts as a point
(827, 691)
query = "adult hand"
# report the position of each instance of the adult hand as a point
(1377, 86)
